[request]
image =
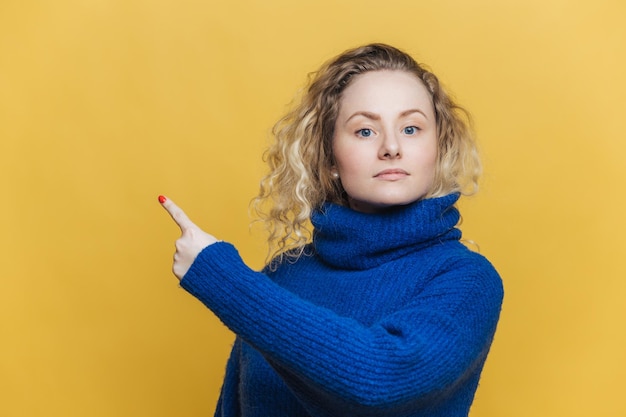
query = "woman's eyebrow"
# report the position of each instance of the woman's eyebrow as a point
(411, 111)
(374, 116)
(369, 115)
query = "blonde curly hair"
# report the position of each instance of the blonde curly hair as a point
(300, 159)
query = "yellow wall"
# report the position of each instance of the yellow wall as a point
(106, 104)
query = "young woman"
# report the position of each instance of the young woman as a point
(381, 311)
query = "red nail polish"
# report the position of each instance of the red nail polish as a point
(162, 199)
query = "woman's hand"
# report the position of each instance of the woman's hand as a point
(192, 241)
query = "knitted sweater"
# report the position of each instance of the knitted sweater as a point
(390, 316)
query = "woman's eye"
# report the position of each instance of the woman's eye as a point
(365, 133)
(410, 130)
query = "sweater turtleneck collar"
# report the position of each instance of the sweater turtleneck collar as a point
(348, 239)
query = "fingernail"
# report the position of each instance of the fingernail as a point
(162, 199)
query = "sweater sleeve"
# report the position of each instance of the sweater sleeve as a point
(334, 361)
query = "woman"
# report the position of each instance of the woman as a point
(383, 312)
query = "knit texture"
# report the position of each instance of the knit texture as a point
(390, 316)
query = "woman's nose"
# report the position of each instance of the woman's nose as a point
(390, 147)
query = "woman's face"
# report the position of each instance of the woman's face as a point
(385, 141)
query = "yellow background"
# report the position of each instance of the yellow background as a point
(106, 104)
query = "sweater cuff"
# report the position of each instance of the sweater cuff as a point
(211, 263)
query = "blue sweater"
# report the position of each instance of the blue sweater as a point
(390, 316)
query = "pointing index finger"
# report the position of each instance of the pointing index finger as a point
(177, 214)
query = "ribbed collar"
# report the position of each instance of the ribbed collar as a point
(349, 239)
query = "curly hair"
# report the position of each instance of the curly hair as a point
(300, 159)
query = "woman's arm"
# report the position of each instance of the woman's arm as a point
(414, 353)
(418, 352)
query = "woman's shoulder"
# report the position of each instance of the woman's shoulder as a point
(289, 259)
(455, 254)
(457, 262)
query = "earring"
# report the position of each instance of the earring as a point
(335, 175)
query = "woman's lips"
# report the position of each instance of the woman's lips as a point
(392, 174)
